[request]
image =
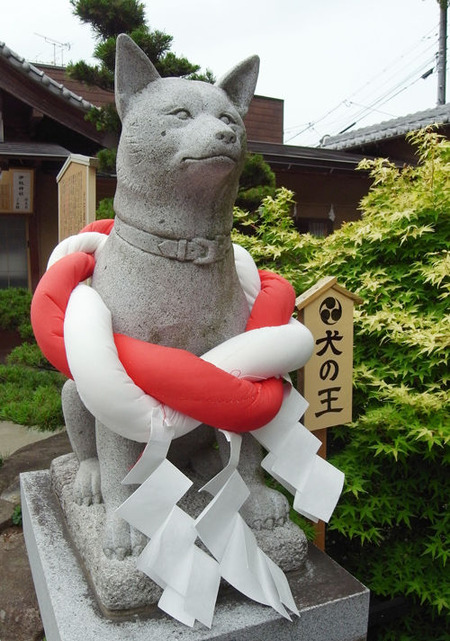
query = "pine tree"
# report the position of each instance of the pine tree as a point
(109, 18)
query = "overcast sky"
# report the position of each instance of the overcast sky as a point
(333, 62)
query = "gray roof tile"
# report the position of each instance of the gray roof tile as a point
(33, 149)
(388, 129)
(40, 77)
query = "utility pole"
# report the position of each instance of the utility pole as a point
(442, 54)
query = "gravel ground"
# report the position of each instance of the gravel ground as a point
(19, 612)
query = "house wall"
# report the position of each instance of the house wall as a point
(43, 223)
(105, 188)
(315, 193)
(264, 120)
(396, 149)
(32, 113)
(47, 227)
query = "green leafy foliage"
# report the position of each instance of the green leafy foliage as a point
(269, 234)
(105, 119)
(108, 19)
(30, 388)
(391, 526)
(15, 311)
(30, 394)
(395, 453)
(107, 160)
(16, 516)
(105, 209)
(255, 183)
(93, 75)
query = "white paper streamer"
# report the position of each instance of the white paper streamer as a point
(190, 578)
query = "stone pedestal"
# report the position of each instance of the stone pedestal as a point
(333, 605)
(117, 584)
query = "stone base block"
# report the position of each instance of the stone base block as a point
(333, 605)
(118, 585)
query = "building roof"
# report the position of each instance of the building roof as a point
(38, 76)
(290, 156)
(395, 128)
(42, 150)
(47, 78)
(92, 94)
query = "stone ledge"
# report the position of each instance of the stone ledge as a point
(333, 605)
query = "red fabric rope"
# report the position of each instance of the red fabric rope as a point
(173, 376)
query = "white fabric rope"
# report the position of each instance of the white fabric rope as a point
(190, 577)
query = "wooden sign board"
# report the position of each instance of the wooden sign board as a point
(16, 191)
(327, 311)
(76, 194)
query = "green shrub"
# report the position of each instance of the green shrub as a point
(391, 526)
(31, 396)
(394, 512)
(17, 515)
(105, 209)
(255, 183)
(30, 387)
(15, 311)
(269, 234)
(107, 160)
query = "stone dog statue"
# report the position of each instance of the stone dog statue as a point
(167, 271)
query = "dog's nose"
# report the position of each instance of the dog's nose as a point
(226, 135)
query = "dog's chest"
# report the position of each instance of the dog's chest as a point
(170, 302)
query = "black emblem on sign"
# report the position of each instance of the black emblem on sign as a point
(330, 310)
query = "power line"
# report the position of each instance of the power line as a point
(374, 98)
(413, 77)
(388, 99)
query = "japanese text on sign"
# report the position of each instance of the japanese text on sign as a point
(327, 377)
(16, 191)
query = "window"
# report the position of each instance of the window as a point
(13, 252)
(314, 226)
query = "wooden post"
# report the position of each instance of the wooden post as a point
(326, 380)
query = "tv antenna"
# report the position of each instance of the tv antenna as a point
(60, 46)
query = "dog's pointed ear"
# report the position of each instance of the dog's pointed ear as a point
(240, 83)
(134, 71)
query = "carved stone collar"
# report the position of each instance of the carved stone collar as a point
(200, 251)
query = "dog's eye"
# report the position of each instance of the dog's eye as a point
(181, 114)
(227, 119)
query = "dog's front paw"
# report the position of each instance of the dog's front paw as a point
(265, 508)
(120, 539)
(86, 489)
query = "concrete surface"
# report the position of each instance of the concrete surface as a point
(13, 437)
(333, 605)
(28, 450)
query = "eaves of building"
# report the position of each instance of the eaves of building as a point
(37, 89)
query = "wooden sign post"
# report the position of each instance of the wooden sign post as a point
(326, 380)
(76, 194)
(17, 191)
